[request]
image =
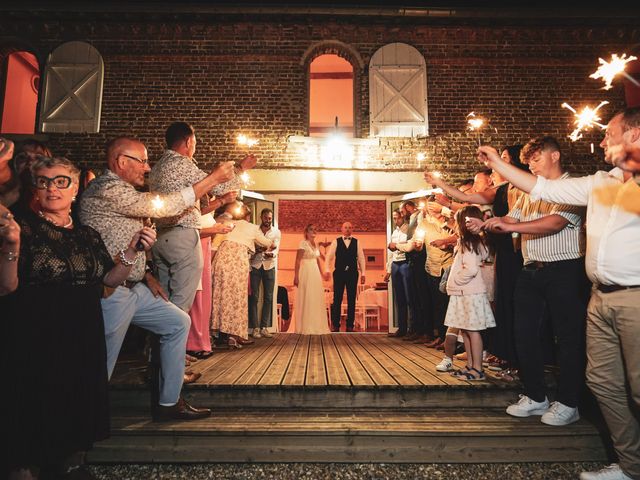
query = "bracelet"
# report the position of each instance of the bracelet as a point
(124, 261)
(10, 256)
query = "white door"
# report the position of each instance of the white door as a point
(256, 203)
(393, 203)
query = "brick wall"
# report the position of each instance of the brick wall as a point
(329, 215)
(231, 74)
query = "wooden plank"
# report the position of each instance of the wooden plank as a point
(406, 360)
(276, 371)
(253, 375)
(375, 370)
(316, 372)
(357, 373)
(336, 373)
(235, 367)
(298, 366)
(408, 352)
(400, 375)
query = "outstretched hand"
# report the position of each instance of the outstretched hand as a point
(248, 162)
(6, 150)
(223, 172)
(487, 154)
(433, 179)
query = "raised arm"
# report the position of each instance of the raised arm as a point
(525, 181)
(483, 198)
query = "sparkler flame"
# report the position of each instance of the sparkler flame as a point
(420, 234)
(246, 179)
(436, 174)
(157, 203)
(585, 119)
(246, 141)
(474, 122)
(607, 71)
(421, 157)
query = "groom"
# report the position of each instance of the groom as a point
(349, 258)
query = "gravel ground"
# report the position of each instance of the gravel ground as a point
(345, 471)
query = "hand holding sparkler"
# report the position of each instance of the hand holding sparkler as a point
(474, 225)
(607, 71)
(223, 172)
(157, 204)
(585, 119)
(144, 239)
(434, 178)
(487, 155)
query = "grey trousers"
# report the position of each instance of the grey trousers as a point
(139, 306)
(177, 255)
(613, 369)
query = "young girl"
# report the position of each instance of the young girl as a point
(469, 308)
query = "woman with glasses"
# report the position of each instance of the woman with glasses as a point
(52, 351)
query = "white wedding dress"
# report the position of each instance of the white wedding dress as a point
(310, 307)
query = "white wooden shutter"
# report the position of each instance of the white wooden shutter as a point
(72, 89)
(398, 92)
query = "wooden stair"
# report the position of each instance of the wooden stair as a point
(471, 435)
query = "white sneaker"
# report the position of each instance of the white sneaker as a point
(525, 407)
(559, 414)
(445, 365)
(612, 472)
(256, 333)
(265, 333)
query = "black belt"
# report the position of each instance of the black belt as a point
(537, 265)
(614, 288)
(400, 262)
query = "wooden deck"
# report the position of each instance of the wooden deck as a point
(336, 398)
(339, 360)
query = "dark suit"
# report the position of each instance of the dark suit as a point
(345, 274)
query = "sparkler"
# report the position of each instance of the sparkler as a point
(585, 119)
(436, 174)
(246, 179)
(420, 234)
(157, 203)
(607, 71)
(246, 141)
(474, 124)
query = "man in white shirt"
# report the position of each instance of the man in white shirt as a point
(398, 271)
(263, 272)
(613, 248)
(349, 259)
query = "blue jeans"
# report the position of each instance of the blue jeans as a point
(140, 307)
(268, 279)
(401, 284)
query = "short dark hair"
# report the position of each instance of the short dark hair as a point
(264, 211)
(411, 203)
(538, 144)
(630, 118)
(468, 181)
(178, 132)
(486, 171)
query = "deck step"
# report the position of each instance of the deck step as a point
(470, 435)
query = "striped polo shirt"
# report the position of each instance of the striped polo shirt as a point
(567, 244)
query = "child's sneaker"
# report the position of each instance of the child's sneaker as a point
(445, 365)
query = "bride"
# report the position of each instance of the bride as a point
(310, 306)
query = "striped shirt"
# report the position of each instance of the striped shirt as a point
(567, 244)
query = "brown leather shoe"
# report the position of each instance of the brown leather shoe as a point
(180, 411)
(242, 341)
(190, 377)
(411, 337)
(422, 339)
(434, 343)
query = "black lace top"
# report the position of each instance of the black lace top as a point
(56, 255)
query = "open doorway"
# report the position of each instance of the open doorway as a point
(328, 213)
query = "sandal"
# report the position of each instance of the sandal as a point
(509, 375)
(460, 372)
(200, 354)
(471, 377)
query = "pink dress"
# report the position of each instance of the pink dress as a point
(200, 313)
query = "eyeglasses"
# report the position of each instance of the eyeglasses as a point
(143, 161)
(60, 182)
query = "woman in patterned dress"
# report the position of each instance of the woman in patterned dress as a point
(231, 268)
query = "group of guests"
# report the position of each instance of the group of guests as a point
(516, 270)
(77, 270)
(504, 255)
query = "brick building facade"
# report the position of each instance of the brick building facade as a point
(246, 70)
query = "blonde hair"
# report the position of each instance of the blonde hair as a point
(307, 228)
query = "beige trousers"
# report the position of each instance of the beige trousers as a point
(613, 369)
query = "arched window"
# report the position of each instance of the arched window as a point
(330, 96)
(21, 81)
(72, 91)
(398, 92)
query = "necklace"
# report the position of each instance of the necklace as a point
(68, 225)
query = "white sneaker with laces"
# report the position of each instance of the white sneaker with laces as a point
(612, 472)
(265, 333)
(256, 333)
(559, 414)
(445, 365)
(525, 407)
